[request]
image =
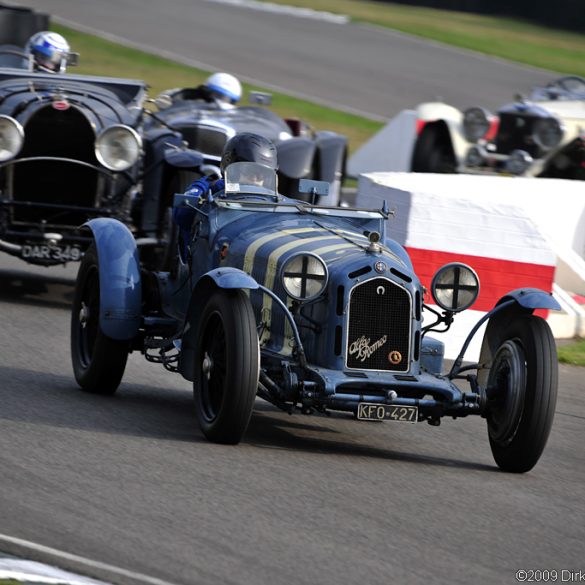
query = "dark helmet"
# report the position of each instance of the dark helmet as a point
(248, 147)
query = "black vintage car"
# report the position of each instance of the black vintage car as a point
(75, 147)
(303, 153)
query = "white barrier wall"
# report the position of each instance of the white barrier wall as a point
(389, 149)
(512, 231)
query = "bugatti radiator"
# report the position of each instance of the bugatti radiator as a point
(63, 134)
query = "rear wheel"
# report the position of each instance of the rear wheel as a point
(226, 366)
(98, 360)
(522, 392)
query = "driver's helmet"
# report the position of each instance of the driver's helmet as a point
(224, 88)
(249, 147)
(48, 52)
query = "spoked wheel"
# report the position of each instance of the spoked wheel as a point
(226, 366)
(98, 360)
(522, 392)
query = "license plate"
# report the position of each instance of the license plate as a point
(367, 411)
(53, 252)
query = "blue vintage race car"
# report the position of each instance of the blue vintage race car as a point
(313, 309)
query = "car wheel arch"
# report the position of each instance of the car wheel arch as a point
(205, 287)
(434, 139)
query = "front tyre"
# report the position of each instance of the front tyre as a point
(433, 152)
(522, 393)
(98, 360)
(227, 361)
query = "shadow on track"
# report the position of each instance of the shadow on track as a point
(41, 398)
(167, 414)
(275, 432)
(29, 288)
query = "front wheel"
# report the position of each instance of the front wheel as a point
(433, 152)
(98, 360)
(522, 393)
(227, 361)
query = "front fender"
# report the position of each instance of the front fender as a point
(332, 148)
(120, 285)
(226, 278)
(295, 157)
(447, 117)
(519, 301)
(531, 298)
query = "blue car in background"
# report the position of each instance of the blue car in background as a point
(313, 309)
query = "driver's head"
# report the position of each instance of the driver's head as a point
(249, 147)
(48, 52)
(224, 88)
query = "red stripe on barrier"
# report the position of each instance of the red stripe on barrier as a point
(497, 277)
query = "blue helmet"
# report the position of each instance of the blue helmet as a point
(48, 51)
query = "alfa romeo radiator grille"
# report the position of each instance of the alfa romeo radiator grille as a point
(379, 326)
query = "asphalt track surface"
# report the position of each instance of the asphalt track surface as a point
(361, 68)
(130, 484)
(128, 487)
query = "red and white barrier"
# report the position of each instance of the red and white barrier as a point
(512, 231)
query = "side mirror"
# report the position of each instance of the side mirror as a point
(72, 59)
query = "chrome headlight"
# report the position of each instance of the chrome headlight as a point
(118, 147)
(11, 138)
(476, 123)
(548, 132)
(304, 276)
(455, 287)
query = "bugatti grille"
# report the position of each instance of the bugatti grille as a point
(379, 326)
(55, 133)
(515, 132)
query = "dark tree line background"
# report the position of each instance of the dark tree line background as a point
(565, 14)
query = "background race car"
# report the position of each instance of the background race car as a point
(303, 152)
(75, 147)
(542, 135)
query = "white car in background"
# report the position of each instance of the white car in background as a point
(539, 136)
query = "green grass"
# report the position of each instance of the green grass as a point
(509, 38)
(572, 353)
(102, 57)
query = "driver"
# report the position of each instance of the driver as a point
(243, 147)
(48, 52)
(223, 88)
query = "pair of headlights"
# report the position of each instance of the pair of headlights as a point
(547, 132)
(454, 287)
(117, 147)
